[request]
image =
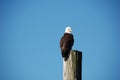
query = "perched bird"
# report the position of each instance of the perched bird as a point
(66, 43)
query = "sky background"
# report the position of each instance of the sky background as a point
(30, 31)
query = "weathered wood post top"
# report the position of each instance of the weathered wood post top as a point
(72, 68)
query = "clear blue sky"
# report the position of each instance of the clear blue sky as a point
(30, 32)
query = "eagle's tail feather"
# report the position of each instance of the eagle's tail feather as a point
(65, 55)
(65, 58)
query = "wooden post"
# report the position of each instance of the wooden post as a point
(72, 68)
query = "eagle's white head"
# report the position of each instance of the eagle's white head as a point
(68, 30)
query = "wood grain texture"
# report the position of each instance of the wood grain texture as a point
(72, 68)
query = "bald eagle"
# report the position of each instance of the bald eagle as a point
(66, 43)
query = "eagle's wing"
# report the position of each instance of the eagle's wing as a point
(66, 43)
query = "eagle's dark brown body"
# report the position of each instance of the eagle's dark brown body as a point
(66, 44)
